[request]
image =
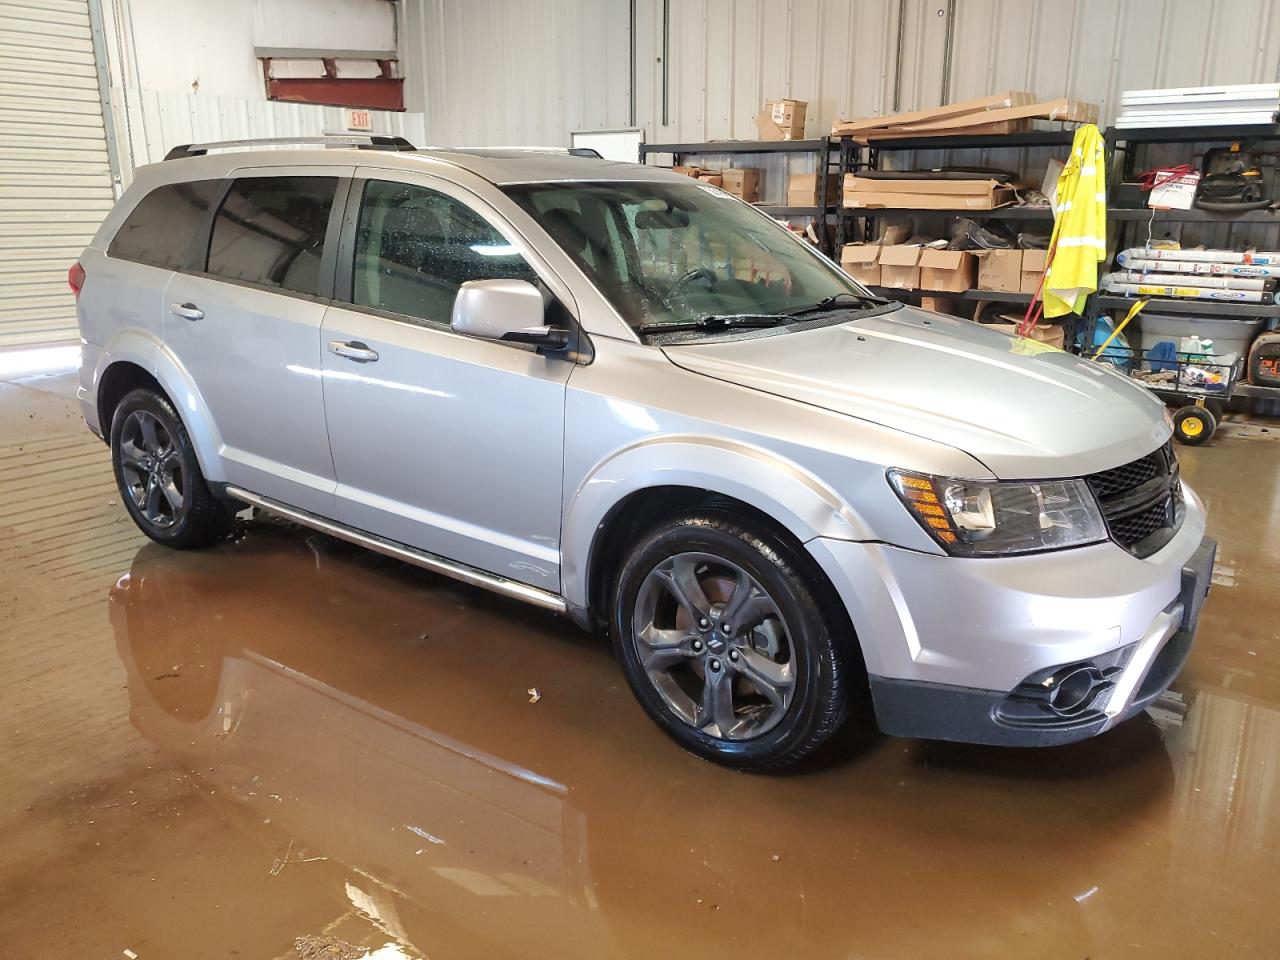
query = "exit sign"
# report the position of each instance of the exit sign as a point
(359, 120)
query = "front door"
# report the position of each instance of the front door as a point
(450, 444)
(247, 330)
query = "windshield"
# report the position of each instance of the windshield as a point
(669, 254)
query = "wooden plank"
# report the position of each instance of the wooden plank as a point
(1010, 98)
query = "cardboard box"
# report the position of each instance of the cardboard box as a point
(743, 182)
(951, 271)
(782, 120)
(898, 231)
(802, 189)
(1075, 111)
(979, 188)
(710, 176)
(1010, 98)
(688, 171)
(1051, 334)
(900, 267)
(978, 129)
(929, 201)
(1174, 193)
(945, 305)
(918, 194)
(1033, 264)
(862, 262)
(1000, 270)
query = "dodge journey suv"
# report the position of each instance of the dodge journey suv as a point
(623, 395)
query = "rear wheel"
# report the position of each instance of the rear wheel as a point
(158, 475)
(725, 645)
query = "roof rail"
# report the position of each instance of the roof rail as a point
(359, 141)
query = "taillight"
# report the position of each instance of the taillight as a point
(75, 279)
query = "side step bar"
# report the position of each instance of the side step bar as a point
(419, 558)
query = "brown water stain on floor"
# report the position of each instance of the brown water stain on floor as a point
(284, 745)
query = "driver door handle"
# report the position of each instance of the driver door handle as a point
(188, 311)
(353, 350)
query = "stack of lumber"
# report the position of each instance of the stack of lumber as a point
(1009, 112)
(1199, 106)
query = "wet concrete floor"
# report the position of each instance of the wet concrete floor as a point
(287, 748)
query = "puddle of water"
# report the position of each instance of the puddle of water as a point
(286, 741)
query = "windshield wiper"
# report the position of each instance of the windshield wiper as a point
(725, 321)
(835, 299)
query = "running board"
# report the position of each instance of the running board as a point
(419, 558)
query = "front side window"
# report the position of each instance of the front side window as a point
(666, 253)
(415, 247)
(270, 231)
(161, 227)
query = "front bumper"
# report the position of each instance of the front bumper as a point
(958, 648)
(1124, 683)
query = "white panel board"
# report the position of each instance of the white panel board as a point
(623, 145)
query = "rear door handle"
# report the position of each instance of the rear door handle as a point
(353, 350)
(188, 311)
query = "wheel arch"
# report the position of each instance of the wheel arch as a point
(625, 495)
(135, 360)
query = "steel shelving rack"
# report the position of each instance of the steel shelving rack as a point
(825, 150)
(1123, 148)
(869, 156)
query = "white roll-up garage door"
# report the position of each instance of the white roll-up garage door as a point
(55, 177)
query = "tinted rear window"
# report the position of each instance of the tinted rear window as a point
(271, 231)
(162, 226)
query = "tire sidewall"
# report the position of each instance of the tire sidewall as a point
(818, 670)
(164, 412)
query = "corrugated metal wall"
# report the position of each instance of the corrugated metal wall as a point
(509, 71)
(1094, 49)
(490, 72)
(55, 175)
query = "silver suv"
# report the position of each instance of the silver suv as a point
(624, 395)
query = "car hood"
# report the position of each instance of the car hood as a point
(1025, 410)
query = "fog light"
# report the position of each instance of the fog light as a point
(1075, 691)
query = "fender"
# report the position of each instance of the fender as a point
(794, 497)
(150, 353)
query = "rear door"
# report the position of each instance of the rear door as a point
(444, 442)
(247, 329)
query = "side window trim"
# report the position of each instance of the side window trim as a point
(197, 257)
(112, 248)
(344, 274)
(344, 286)
(332, 239)
(482, 208)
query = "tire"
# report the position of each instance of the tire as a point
(1194, 425)
(783, 676)
(158, 476)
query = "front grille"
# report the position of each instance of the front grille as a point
(1141, 501)
(1110, 482)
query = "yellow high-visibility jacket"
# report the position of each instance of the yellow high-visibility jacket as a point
(1080, 226)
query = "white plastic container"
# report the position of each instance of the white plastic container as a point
(1228, 334)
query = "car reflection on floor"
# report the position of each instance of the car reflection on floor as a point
(380, 718)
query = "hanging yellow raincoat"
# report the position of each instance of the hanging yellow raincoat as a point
(1080, 226)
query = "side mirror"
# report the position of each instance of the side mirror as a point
(507, 310)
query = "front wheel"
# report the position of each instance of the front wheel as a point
(725, 645)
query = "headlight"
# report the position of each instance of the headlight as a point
(982, 518)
